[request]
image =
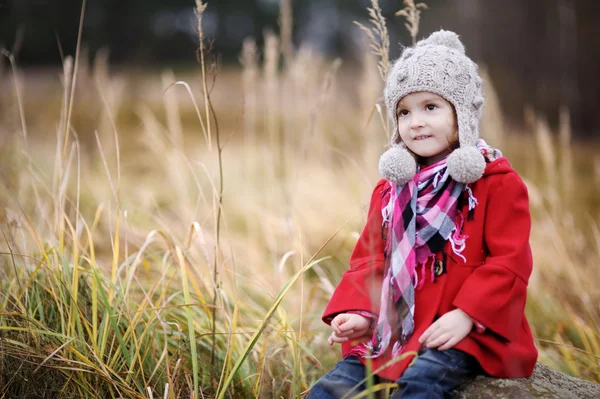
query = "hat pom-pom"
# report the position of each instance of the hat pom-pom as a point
(445, 38)
(397, 165)
(466, 165)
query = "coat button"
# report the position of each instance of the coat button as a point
(438, 267)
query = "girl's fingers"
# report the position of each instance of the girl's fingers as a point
(434, 343)
(333, 338)
(428, 333)
(345, 333)
(338, 322)
(336, 327)
(448, 345)
(433, 335)
(348, 325)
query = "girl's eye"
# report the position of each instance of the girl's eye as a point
(431, 107)
(403, 112)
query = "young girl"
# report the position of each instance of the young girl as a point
(442, 265)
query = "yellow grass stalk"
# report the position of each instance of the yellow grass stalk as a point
(67, 80)
(115, 259)
(260, 367)
(233, 324)
(217, 195)
(249, 61)
(171, 104)
(412, 13)
(311, 140)
(271, 96)
(230, 346)
(190, 319)
(62, 136)
(582, 333)
(114, 241)
(200, 8)
(75, 281)
(61, 200)
(567, 355)
(370, 87)
(299, 377)
(117, 147)
(41, 248)
(94, 280)
(74, 79)
(378, 37)
(205, 128)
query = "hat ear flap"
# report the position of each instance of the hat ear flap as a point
(397, 165)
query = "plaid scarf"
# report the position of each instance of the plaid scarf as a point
(420, 215)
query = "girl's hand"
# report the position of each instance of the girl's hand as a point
(348, 326)
(447, 331)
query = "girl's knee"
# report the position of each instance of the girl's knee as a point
(346, 377)
(433, 364)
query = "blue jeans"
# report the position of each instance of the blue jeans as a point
(340, 381)
(435, 374)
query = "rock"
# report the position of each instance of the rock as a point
(545, 383)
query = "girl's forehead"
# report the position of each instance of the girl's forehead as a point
(421, 96)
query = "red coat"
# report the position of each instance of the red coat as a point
(491, 286)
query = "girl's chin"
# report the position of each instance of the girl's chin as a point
(431, 154)
(429, 158)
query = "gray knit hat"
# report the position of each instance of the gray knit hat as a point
(437, 64)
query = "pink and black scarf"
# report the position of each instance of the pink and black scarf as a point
(420, 216)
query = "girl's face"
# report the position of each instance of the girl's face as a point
(427, 125)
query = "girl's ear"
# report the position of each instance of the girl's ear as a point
(453, 141)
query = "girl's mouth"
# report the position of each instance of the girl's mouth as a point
(422, 137)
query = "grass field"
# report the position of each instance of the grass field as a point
(181, 240)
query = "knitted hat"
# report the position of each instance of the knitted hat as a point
(437, 64)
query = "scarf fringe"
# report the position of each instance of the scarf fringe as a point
(457, 239)
(472, 200)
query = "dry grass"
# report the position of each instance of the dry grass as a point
(412, 13)
(378, 37)
(119, 277)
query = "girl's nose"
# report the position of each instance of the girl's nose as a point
(416, 121)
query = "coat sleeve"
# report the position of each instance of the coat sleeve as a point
(360, 287)
(495, 293)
